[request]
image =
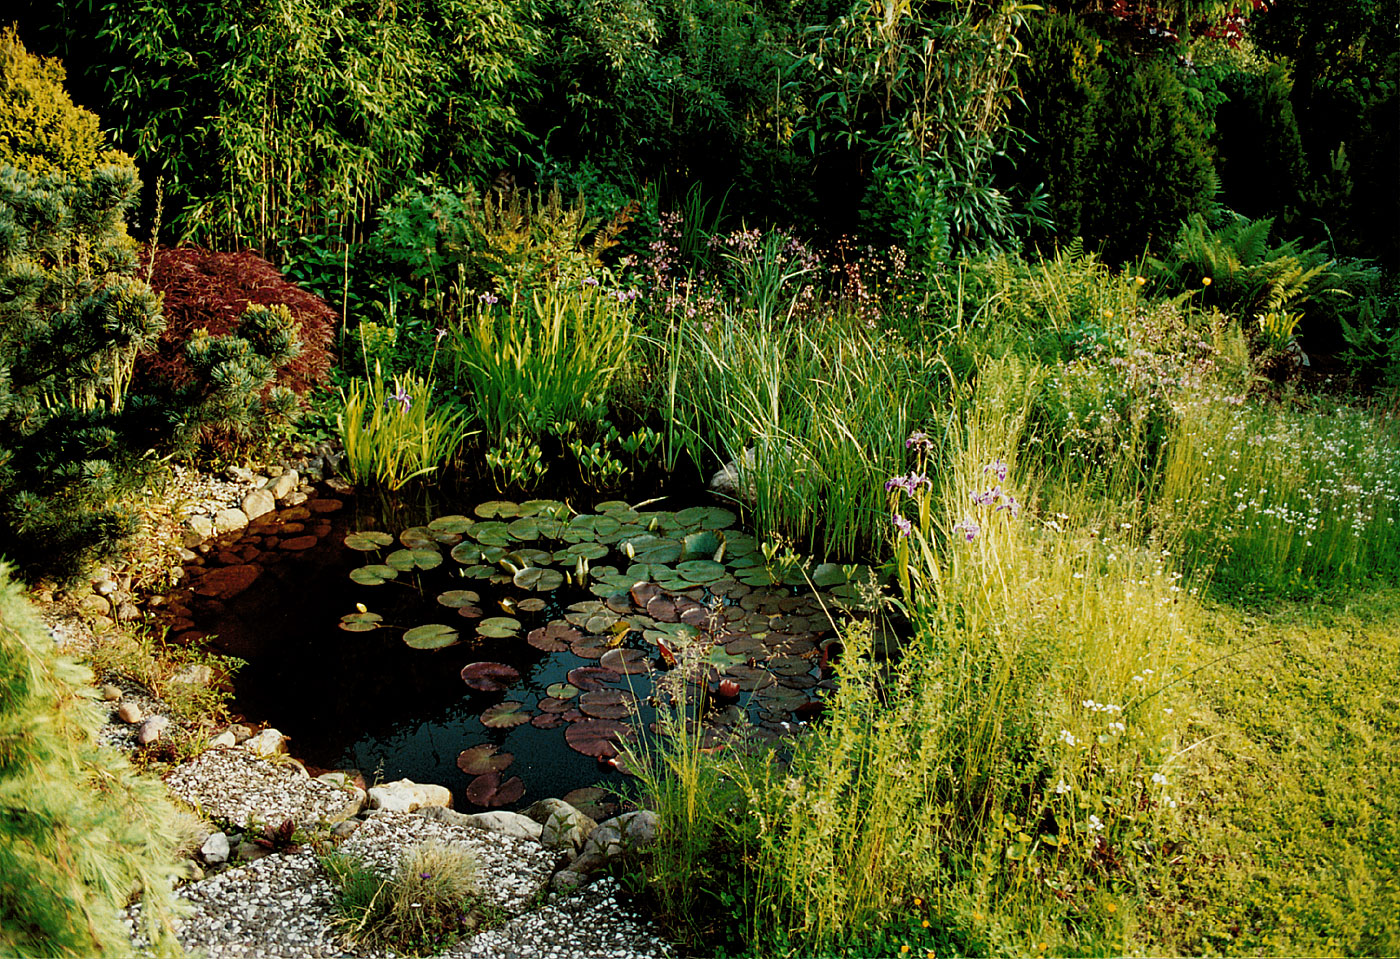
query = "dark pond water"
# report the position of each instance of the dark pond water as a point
(667, 590)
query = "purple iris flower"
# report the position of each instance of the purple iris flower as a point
(903, 525)
(400, 396)
(918, 438)
(997, 467)
(968, 528)
(490, 299)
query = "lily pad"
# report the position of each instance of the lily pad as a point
(705, 544)
(375, 574)
(419, 558)
(457, 598)
(608, 703)
(551, 508)
(368, 540)
(561, 690)
(525, 529)
(598, 738)
(592, 677)
(430, 636)
(497, 507)
(506, 715)
(707, 517)
(360, 622)
(537, 578)
(700, 571)
(480, 760)
(554, 638)
(418, 537)
(828, 574)
(451, 524)
(489, 677)
(498, 627)
(467, 553)
(624, 660)
(489, 790)
(492, 533)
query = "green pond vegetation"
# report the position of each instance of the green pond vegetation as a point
(1050, 606)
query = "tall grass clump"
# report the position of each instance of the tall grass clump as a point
(545, 359)
(1014, 760)
(393, 436)
(81, 832)
(812, 412)
(1283, 502)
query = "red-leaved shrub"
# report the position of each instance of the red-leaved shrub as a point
(205, 290)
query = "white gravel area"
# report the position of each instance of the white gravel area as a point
(234, 786)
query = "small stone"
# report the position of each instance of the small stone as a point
(128, 612)
(295, 498)
(224, 739)
(105, 587)
(189, 870)
(563, 825)
(567, 880)
(274, 472)
(195, 674)
(228, 520)
(228, 581)
(337, 485)
(202, 527)
(95, 603)
(284, 484)
(215, 848)
(269, 742)
(250, 852)
(343, 830)
(505, 824)
(239, 474)
(129, 713)
(258, 503)
(187, 554)
(110, 693)
(151, 730)
(241, 733)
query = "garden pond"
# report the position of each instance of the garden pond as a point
(506, 651)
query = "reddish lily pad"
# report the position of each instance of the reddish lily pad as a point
(624, 660)
(547, 721)
(489, 790)
(589, 647)
(489, 677)
(598, 738)
(504, 715)
(592, 677)
(608, 704)
(480, 760)
(552, 705)
(471, 612)
(553, 638)
(532, 605)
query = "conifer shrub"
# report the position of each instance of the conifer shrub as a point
(81, 832)
(1263, 169)
(41, 130)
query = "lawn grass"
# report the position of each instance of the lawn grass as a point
(1292, 813)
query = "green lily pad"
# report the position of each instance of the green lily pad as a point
(430, 636)
(418, 537)
(505, 715)
(655, 550)
(561, 690)
(368, 540)
(490, 533)
(707, 517)
(588, 551)
(479, 571)
(551, 508)
(451, 524)
(721, 657)
(674, 635)
(457, 598)
(525, 530)
(544, 580)
(497, 507)
(700, 570)
(406, 559)
(499, 627)
(828, 574)
(705, 544)
(466, 553)
(360, 622)
(375, 574)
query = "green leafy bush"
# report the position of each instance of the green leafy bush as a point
(80, 831)
(1263, 169)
